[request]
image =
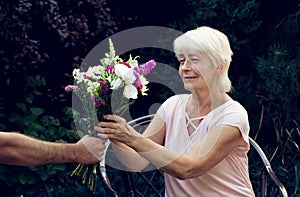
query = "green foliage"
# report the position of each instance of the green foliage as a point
(46, 39)
(1, 14)
(279, 74)
(225, 15)
(278, 90)
(34, 121)
(40, 37)
(2, 126)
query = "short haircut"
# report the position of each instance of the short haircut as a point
(211, 42)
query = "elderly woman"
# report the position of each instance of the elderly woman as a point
(200, 140)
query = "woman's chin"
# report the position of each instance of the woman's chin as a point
(189, 87)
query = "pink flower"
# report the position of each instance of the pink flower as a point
(104, 101)
(102, 82)
(70, 88)
(126, 64)
(138, 83)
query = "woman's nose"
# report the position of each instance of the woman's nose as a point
(186, 65)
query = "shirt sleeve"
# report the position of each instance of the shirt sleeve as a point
(167, 107)
(237, 116)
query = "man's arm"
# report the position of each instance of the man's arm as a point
(18, 149)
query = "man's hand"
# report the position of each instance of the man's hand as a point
(90, 150)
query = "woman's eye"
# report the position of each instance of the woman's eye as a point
(194, 61)
(181, 61)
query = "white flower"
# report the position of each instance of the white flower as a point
(116, 84)
(106, 60)
(144, 83)
(130, 91)
(86, 80)
(109, 60)
(143, 80)
(125, 73)
(78, 76)
(134, 63)
(92, 87)
(144, 90)
(76, 72)
(94, 71)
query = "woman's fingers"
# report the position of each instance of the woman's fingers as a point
(114, 118)
(111, 125)
(106, 128)
(114, 122)
(115, 128)
(113, 134)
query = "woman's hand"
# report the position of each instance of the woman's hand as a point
(116, 129)
(123, 138)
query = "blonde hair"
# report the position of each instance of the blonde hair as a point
(211, 42)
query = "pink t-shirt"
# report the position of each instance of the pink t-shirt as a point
(228, 178)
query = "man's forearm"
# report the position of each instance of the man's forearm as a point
(22, 150)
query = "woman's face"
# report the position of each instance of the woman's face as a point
(196, 70)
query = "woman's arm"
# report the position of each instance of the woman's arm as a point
(215, 146)
(18, 149)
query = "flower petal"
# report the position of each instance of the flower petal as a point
(130, 91)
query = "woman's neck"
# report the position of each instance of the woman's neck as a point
(200, 104)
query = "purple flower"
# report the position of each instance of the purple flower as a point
(110, 69)
(96, 101)
(105, 90)
(70, 88)
(145, 68)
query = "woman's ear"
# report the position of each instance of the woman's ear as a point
(220, 68)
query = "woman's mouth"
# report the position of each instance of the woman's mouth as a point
(189, 78)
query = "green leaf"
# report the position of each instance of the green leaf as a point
(30, 180)
(26, 179)
(29, 98)
(22, 106)
(60, 167)
(15, 118)
(36, 92)
(37, 126)
(69, 111)
(51, 133)
(37, 111)
(31, 131)
(22, 178)
(29, 119)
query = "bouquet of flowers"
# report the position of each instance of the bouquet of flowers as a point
(94, 88)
